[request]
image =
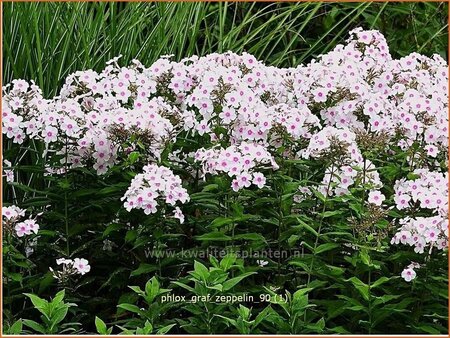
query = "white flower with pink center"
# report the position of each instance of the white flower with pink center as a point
(408, 274)
(376, 197)
(81, 265)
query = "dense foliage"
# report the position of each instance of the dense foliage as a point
(221, 194)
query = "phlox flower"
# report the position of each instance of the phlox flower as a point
(20, 86)
(259, 180)
(149, 207)
(9, 173)
(22, 229)
(178, 214)
(203, 128)
(81, 265)
(227, 116)
(408, 274)
(12, 212)
(244, 179)
(50, 134)
(60, 261)
(26, 227)
(319, 95)
(402, 201)
(376, 197)
(235, 185)
(431, 234)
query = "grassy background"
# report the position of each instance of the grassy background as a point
(47, 41)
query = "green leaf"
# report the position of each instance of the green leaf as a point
(39, 304)
(100, 326)
(152, 289)
(111, 228)
(214, 262)
(251, 237)
(365, 258)
(130, 236)
(142, 269)
(412, 176)
(59, 316)
(227, 285)
(220, 221)
(133, 157)
(379, 282)
(318, 194)
(227, 261)
(263, 315)
(35, 326)
(213, 236)
(59, 297)
(137, 289)
(292, 240)
(147, 329)
(129, 307)
(201, 270)
(16, 328)
(307, 227)
(428, 329)
(301, 292)
(17, 277)
(326, 247)
(360, 286)
(165, 329)
(330, 213)
(184, 286)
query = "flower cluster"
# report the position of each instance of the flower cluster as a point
(92, 116)
(21, 107)
(155, 184)
(428, 191)
(12, 220)
(238, 162)
(70, 267)
(360, 85)
(348, 167)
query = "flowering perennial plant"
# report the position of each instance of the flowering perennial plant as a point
(337, 104)
(353, 129)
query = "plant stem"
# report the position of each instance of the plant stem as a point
(66, 203)
(370, 300)
(320, 225)
(319, 231)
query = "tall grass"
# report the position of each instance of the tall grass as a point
(47, 41)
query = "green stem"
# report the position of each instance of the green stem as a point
(280, 226)
(319, 232)
(320, 226)
(370, 300)
(66, 203)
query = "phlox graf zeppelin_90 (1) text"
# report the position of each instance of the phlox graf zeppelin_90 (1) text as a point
(241, 298)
